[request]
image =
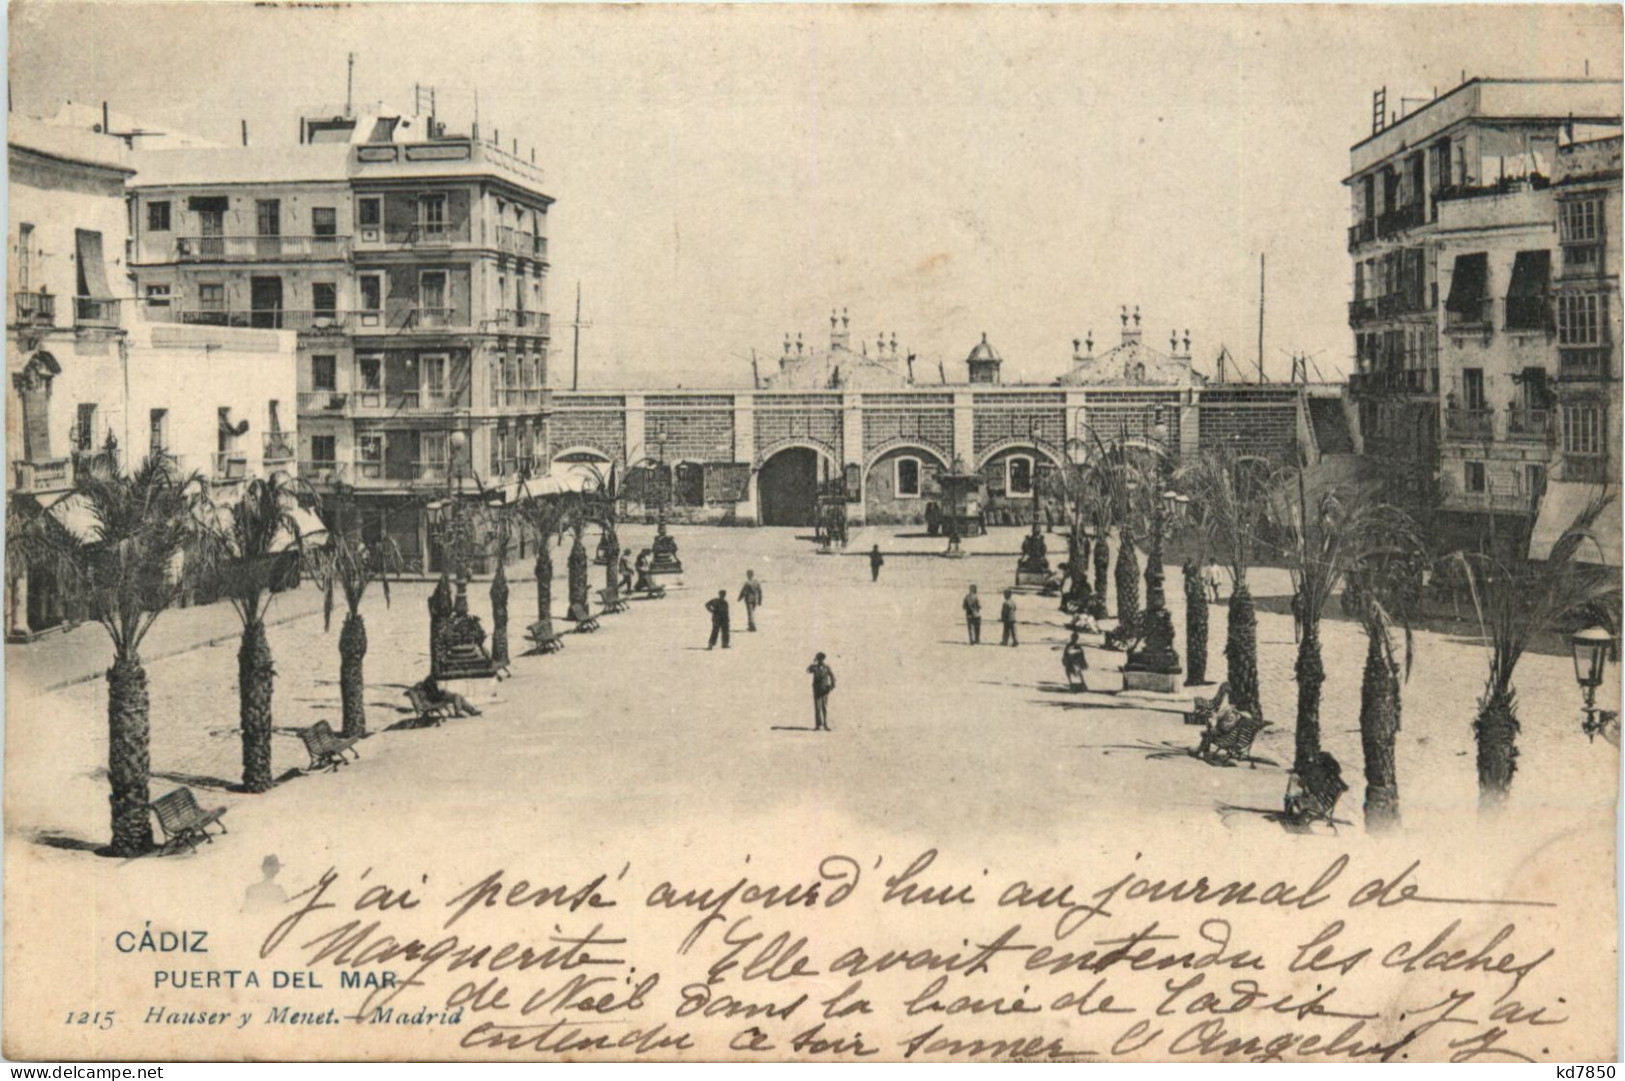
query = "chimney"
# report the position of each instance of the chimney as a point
(839, 336)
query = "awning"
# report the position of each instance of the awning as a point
(1531, 274)
(1564, 502)
(1469, 283)
(212, 203)
(92, 266)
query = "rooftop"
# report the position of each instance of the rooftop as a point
(68, 143)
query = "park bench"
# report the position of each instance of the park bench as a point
(1233, 744)
(584, 620)
(1203, 710)
(1312, 795)
(435, 713)
(184, 822)
(653, 591)
(543, 638)
(326, 748)
(611, 600)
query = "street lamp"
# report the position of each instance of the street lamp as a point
(1154, 666)
(1591, 648)
(664, 557)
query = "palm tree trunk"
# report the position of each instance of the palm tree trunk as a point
(578, 573)
(1195, 626)
(1496, 730)
(1379, 723)
(1128, 580)
(544, 581)
(499, 612)
(129, 756)
(1310, 674)
(1241, 651)
(254, 676)
(612, 566)
(1103, 573)
(352, 682)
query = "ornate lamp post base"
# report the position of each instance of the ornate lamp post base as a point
(665, 559)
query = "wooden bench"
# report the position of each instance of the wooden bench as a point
(1233, 744)
(653, 592)
(584, 620)
(1314, 798)
(184, 822)
(1203, 710)
(543, 638)
(435, 713)
(611, 600)
(326, 748)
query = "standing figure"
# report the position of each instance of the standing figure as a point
(1213, 582)
(1007, 616)
(642, 567)
(973, 616)
(750, 595)
(1075, 663)
(953, 535)
(626, 572)
(876, 561)
(823, 682)
(718, 607)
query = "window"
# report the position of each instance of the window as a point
(370, 454)
(1441, 165)
(1472, 387)
(371, 372)
(1475, 476)
(1527, 300)
(158, 296)
(1534, 479)
(324, 299)
(432, 297)
(372, 292)
(1019, 475)
(1582, 429)
(158, 217)
(158, 432)
(1581, 225)
(324, 371)
(370, 211)
(268, 217)
(324, 221)
(84, 429)
(908, 477)
(324, 451)
(433, 374)
(1467, 302)
(432, 215)
(211, 297)
(1579, 319)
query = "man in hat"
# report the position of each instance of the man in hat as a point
(750, 595)
(266, 894)
(876, 561)
(718, 607)
(823, 682)
(1007, 616)
(973, 616)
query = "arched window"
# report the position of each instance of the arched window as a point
(908, 478)
(1018, 474)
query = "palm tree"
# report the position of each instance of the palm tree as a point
(1227, 494)
(578, 566)
(1195, 623)
(125, 571)
(1515, 601)
(546, 519)
(347, 564)
(1322, 540)
(252, 549)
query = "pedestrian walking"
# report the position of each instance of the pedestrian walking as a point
(626, 572)
(876, 561)
(823, 682)
(1213, 582)
(750, 595)
(973, 617)
(718, 607)
(1007, 616)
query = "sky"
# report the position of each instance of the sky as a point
(725, 175)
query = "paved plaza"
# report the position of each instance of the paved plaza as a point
(641, 722)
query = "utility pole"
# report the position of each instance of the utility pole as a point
(575, 351)
(349, 86)
(1261, 317)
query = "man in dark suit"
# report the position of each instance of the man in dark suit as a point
(718, 607)
(823, 682)
(1007, 616)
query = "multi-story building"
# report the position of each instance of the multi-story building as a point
(87, 372)
(1457, 288)
(413, 267)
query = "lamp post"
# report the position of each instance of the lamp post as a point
(1032, 478)
(664, 559)
(1156, 663)
(1591, 648)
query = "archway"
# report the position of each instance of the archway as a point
(787, 487)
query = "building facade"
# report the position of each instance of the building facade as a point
(412, 267)
(1463, 307)
(87, 372)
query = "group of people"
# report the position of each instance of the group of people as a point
(750, 595)
(635, 577)
(972, 604)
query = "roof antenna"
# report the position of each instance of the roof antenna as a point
(349, 85)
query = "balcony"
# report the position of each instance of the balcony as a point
(228, 466)
(38, 478)
(324, 471)
(1591, 363)
(1396, 381)
(315, 321)
(212, 249)
(35, 309)
(432, 318)
(1400, 219)
(1362, 311)
(379, 474)
(279, 448)
(518, 319)
(1362, 233)
(1530, 425)
(1479, 319)
(1491, 500)
(1585, 468)
(1473, 424)
(95, 313)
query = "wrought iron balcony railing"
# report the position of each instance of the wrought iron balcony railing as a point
(35, 309)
